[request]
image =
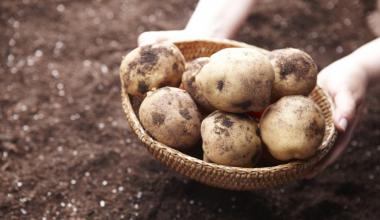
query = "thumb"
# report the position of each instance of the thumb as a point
(150, 37)
(345, 106)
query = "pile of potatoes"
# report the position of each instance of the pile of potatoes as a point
(246, 108)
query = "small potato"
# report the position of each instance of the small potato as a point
(171, 117)
(295, 73)
(151, 66)
(292, 128)
(188, 82)
(230, 139)
(237, 80)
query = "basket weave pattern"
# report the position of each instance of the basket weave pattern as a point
(221, 176)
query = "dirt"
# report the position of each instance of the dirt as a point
(66, 151)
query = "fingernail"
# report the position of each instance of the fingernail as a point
(343, 123)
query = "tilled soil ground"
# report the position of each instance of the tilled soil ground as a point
(66, 150)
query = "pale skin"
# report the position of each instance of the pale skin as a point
(346, 80)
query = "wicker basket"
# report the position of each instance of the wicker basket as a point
(221, 176)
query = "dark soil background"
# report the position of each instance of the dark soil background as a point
(66, 151)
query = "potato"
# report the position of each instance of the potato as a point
(171, 117)
(292, 128)
(188, 82)
(237, 80)
(230, 139)
(151, 66)
(295, 73)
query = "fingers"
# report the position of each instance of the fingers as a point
(337, 150)
(322, 80)
(340, 145)
(345, 110)
(347, 90)
(150, 37)
(142, 39)
(344, 140)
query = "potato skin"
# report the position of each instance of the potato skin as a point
(171, 117)
(151, 66)
(237, 80)
(292, 128)
(230, 139)
(188, 82)
(295, 73)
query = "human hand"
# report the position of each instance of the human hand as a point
(209, 20)
(152, 37)
(346, 82)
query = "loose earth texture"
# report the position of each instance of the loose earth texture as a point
(65, 147)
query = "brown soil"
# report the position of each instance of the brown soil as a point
(66, 150)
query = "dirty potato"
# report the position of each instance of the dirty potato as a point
(188, 83)
(171, 117)
(230, 139)
(151, 66)
(292, 128)
(295, 73)
(237, 80)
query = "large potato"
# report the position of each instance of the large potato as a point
(237, 80)
(230, 139)
(295, 73)
(188, 82)
(151, 66)
(292, 128)
(171, 117)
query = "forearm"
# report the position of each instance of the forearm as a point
(220, 18)
(368, 56)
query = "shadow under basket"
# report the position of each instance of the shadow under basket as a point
(234, 178)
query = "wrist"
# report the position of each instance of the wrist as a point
(367, 57)
(206, 32)
(218, 19)
(361, 72)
